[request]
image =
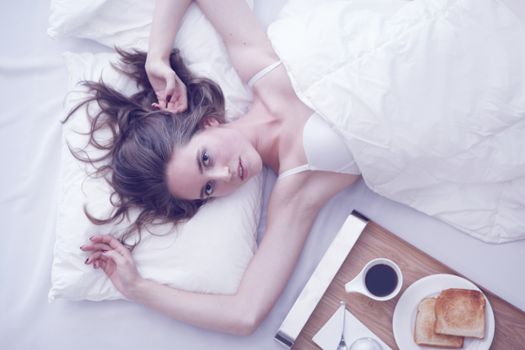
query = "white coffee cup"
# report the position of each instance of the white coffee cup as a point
(381, 279)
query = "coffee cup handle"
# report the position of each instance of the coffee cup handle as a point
(355, 285)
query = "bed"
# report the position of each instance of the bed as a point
(33, 84)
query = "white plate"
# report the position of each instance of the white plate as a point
(404, 318)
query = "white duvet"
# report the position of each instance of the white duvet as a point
(430, 95)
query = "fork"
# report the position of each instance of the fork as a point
(342, 343)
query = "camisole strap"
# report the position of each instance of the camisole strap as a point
(296, 170)
(260, 74)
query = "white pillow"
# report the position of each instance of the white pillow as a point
(209, 253)
(126, 23)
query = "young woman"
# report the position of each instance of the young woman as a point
(279, 131)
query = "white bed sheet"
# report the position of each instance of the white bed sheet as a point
(32, 87)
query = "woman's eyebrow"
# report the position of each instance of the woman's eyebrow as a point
(199, 164)
(198, 158)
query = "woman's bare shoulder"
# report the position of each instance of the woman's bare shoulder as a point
(276, 91)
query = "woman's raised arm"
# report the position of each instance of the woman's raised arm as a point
(169, 89)
(247, 44)
(167, 19)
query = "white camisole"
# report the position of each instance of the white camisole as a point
(324, 147)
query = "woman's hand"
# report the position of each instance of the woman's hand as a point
(170, 90)
(115, 260)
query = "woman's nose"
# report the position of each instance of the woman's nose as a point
(221, 173)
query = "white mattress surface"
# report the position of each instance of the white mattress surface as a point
(32, 87)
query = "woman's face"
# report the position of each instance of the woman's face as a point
(215, 162)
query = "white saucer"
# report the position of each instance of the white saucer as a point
(406, 309)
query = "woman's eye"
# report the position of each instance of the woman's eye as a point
(208, 189)
(205, 158)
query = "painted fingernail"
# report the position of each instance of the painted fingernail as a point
(86, 262)
(91, 238)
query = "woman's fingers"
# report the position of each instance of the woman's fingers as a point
(178, 103)
(169, 88)
(102, 261)
(171, 83)
(117, 258)
(164, 83)
(93, 257)
(173, 87)
(173, 95)
(172, 104)
(97, 257)
(95, 246)
(113, 243)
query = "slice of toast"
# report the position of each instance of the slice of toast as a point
(424, 330)
(460, 312)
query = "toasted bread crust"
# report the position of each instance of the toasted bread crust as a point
(460, 312)
(424, 329)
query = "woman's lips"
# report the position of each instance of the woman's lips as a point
(242, 171)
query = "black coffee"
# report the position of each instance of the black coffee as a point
(381, 280)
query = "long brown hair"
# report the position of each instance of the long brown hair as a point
(143, 139)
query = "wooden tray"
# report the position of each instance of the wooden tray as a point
(375, 242)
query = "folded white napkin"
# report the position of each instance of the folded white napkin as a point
(328, 336)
